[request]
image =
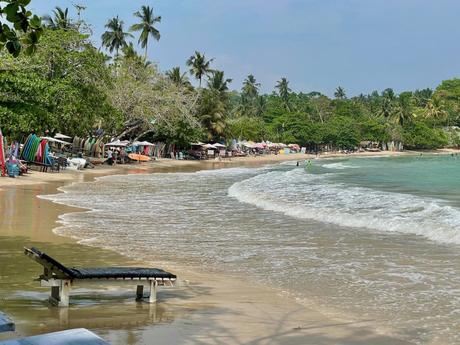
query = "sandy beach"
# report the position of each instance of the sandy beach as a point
(205, 308)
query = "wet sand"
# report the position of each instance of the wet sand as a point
(203, 309)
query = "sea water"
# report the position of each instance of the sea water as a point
(377, 238)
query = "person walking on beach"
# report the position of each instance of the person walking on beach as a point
(110, 157)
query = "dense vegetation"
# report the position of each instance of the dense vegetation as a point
(69, 86)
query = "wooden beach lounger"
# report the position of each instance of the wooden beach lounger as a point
(78, 336)
(61, 278)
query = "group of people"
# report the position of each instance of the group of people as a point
(116, 155)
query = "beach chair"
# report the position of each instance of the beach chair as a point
(61, 278)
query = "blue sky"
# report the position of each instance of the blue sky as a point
(361, 45)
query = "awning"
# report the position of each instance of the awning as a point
(62, 136)
(118, 143)
(142, 143)
(54, 140)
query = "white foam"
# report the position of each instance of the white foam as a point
(314, 197)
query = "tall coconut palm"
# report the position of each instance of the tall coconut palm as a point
(59, 20)
(340, 93)
(115, 38)
(435, 109)
(177, 77)
(199, 66)
(283, 91)
(218, 82)
(146, 26)
(250, 87)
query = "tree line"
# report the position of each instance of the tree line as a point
(69, 85)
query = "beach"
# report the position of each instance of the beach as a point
(208, 306)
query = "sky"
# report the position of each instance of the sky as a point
(361, 45)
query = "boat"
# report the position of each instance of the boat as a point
(138, 157)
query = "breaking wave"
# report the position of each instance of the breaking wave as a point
(307, 196)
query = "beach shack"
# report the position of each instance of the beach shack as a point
(222, 149)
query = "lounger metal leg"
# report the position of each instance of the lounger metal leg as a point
(60, 293)
(153, 291)
(139, 292)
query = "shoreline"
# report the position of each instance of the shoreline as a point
(66, 176)
(241, 311)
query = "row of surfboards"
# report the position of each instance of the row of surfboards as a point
(36, 150)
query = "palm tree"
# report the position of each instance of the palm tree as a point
(435, 109)
(283, 91)
(129, 51)
(60, 19)
(250, 87)
(115, 38)
(340, 93)
(261, 105)
(218, 82)
(178, 78)
(199, 66)
(146, 26)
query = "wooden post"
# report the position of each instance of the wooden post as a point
(60, 293)
(139, 292)
(153, 291)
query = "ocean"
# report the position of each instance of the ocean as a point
(372, 238)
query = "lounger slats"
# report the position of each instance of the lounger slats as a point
(120, 272)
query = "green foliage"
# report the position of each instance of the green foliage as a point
(421, 136)
(59, 88)
(247, 127)
(24, 28)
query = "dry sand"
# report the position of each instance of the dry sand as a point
(203, 309)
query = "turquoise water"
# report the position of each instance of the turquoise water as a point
(361, 238)
(434, 176)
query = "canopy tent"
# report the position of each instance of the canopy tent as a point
(218, 145)
(54, 140)
(142, 143)
(209, 146)
(62, 136)
(118, 143)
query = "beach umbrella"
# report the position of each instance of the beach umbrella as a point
(62, 136)
(54, 140)
(118, 143)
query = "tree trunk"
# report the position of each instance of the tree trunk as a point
(144, 133)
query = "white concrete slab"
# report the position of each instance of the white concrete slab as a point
(78, 336)
(6, 324)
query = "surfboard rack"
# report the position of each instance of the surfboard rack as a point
(61, 279)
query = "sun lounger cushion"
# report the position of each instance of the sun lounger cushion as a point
(120, 272)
